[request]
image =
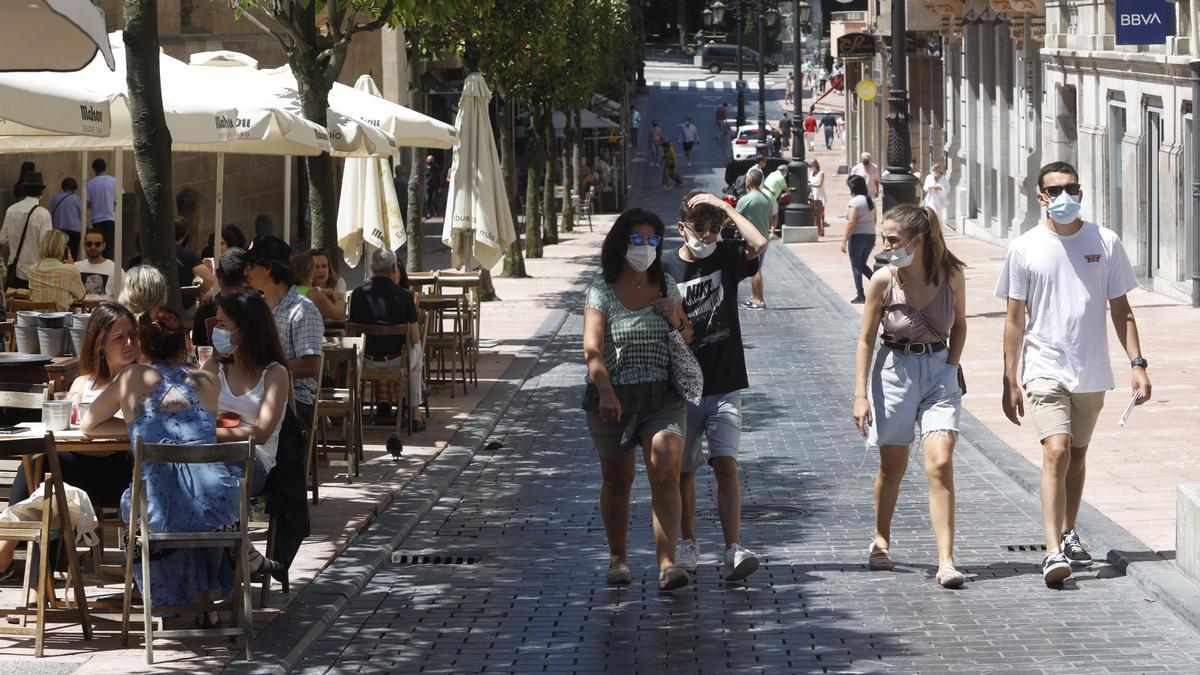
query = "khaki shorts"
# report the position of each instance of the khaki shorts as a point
(1055, 410)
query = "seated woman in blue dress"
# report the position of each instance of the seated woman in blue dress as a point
(168, 401)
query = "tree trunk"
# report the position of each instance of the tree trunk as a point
(550, 227)
(577, 155)
(533, 182)
(514, 261)
(322, 195)
(568, 175)
(151, 142)
(413, 223)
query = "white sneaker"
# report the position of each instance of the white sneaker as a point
(739, 563)
(687, 555)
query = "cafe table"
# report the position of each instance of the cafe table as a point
(39, 369)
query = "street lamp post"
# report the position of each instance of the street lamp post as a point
(899, 186)
(760, 23)
(797, 218)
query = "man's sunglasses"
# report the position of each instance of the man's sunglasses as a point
(712, 228)
(645, 239)
(1056, 190)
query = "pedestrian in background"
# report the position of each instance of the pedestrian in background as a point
(689, 136)
(708, 271)
(810, 130)
(817, 196)
(656, 143)
(631, 308)
(829, 123)
(722, 115)
(859, 239)
(757, 207)
(66, 214)
(869, 172)
(25, 223)
(102, 202)
(937, 189)
(1061, 280)
(775, 185)
(669, 172)
(919, 303)
(635, 122)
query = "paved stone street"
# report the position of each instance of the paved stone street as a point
(535, 599)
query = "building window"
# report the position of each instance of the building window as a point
(1115, 169)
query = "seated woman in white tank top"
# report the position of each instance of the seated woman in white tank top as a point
(254, 379)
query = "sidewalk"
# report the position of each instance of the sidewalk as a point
(533, 597)
(345, 510)
(1132, 472)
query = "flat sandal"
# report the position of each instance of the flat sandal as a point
(878, 558)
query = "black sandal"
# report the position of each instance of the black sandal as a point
(262, 566)
(10, 571)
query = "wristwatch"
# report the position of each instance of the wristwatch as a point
(1139, 361)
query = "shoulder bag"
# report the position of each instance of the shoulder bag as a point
(685, 369)
(11, 277)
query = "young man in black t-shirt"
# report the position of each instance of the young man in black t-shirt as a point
(708, 271)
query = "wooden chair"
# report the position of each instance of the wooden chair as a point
(344, 355)
(18, 305)
(140, 537)
(468, 315)
(586, 206)
(396, 376)
(40, 534)
(442, 344)
(24, 397)
(314, 477)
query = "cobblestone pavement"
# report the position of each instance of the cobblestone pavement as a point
(535, 599)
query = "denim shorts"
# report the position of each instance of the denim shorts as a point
(719, 419)
(646, 409)
(912, 390)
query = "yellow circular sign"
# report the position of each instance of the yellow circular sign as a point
(866, 90)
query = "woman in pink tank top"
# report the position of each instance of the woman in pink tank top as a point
(916, 308)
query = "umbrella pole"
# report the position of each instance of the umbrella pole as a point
(119, 220)
(219, 205)
(469, 249)
(85, 214)
(287, 199)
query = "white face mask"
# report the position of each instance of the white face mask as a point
(698, 247)
(900, 257)
(640, 258)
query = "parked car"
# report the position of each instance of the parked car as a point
(715, 57)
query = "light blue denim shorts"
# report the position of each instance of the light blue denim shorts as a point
(718, 418)
(910, 391)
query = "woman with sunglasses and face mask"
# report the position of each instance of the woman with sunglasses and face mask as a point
(918, 302)
(630, 399)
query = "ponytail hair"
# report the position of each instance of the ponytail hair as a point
(915, 220)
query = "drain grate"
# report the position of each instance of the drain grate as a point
(759, 512)
(434, 558)
(1024, 548)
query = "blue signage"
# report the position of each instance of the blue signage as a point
(1144, 22)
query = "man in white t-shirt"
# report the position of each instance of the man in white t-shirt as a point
(99, 273)
(1060, 280)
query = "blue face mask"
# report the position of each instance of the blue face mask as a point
(1064, 209)
(222, 341)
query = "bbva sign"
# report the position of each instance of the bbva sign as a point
(1144, 22)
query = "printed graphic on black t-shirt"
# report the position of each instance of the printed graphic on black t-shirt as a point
(94, 283)
(709, 288)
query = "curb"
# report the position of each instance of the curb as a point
(284, 642)
(1157, 575)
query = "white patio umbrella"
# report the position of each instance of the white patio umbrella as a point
(478, 223)
(369, 215)
(54, 35)
(409, 127)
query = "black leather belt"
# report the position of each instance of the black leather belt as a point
(915, 347)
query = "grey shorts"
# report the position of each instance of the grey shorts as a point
(912, 390)
(719, 419)
(646, 409)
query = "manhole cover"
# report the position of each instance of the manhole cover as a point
(759, 512)
(434, 558)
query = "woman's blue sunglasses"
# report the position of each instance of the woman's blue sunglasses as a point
(645, 239)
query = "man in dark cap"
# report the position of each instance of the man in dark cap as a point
(24, 225)
(301, 328)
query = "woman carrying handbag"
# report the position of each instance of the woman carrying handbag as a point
(631, 398)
